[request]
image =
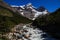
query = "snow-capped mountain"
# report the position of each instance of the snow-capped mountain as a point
(30, 11)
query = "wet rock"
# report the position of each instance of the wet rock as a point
(10, 35)
(30, 34)
(21, 31)
(25, 30)
(20, 39)
(27, 36)
(44, 35)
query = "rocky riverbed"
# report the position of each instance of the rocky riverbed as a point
(28, 32)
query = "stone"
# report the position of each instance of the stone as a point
(25, 31)
(20, 39)
(27, 36)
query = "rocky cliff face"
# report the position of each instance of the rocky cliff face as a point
(30, 11)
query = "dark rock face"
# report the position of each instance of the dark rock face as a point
(50, 24)
(41, 9)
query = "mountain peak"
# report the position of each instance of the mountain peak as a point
(29, 4)
(41, 8)
(30, 11)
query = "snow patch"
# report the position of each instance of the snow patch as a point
(22, 6)
(22, 13)
(14, 6)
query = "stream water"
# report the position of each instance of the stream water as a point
(30, 33)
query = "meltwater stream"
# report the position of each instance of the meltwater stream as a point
(30, 33)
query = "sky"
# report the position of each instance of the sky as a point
(50, 5)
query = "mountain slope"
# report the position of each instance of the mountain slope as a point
(50, 23)
(9, 18)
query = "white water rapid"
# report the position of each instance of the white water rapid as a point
(29, 33)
